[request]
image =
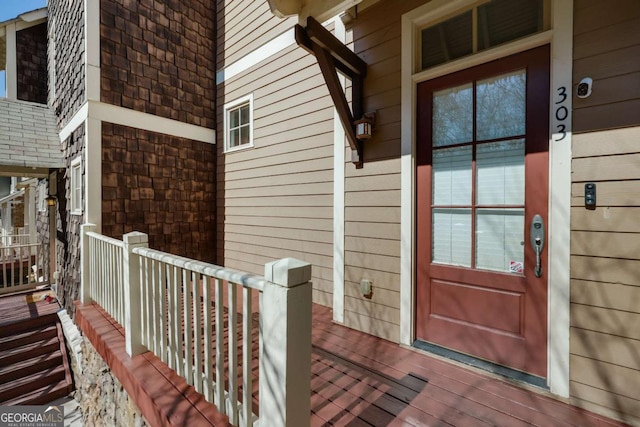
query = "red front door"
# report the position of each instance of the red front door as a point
(482, 177)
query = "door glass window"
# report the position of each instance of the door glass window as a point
(478, 174)
(500, 173)
(501, 106)
(452, 236)
(500, 239)
(453, 116)
(452, 176)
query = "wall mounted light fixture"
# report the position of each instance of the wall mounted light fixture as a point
(364, 126)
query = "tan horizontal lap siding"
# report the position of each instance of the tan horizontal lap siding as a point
(276, 198)
(605, 242)
(372, 194)
(243, 26)
(372, 247)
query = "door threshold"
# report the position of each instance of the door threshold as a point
(494, 368)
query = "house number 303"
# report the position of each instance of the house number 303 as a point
(561, 113)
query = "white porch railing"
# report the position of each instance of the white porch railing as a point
(186, 313)
(18, 267)
(15, 239)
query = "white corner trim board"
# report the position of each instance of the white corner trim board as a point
(136, 119)
(338, 199)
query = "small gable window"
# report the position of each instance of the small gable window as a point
(238, 124)
(76, 186)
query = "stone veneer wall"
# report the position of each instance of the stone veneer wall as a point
(159, 57)
(160, 185)
(103, 400)
(31, 63)
(68, 227)
(67, 20)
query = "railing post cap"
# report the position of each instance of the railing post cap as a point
(135, 237)
(288, 272)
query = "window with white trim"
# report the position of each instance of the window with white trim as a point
(238, 124)
(76, 186)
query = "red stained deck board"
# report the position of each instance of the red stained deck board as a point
(470, 387)
(368, 402)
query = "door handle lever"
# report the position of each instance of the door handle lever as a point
(537, 241)
(538, 270)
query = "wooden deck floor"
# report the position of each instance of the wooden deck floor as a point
(360, 380)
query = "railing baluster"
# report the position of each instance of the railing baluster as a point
(4, 267)
(155, 289)
(197, 281)
(187, 316)
(208, 338)
(164, 310)
(247, 357)
(171, 341)
(107, 278)
(219, 306)
(232, 314)
(177, 326)
(102, 255)
(21, 266)
(146, 302)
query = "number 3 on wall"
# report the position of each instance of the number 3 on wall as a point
(561, 114)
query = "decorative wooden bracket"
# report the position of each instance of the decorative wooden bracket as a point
(334, 56)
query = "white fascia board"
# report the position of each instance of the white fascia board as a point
(139, 120)
(253, 58)
(78, 118)
(34, 15)
(136, 119)
(23, 25)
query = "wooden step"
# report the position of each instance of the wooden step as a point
(36, 381)
(20, 326)
(18, 340)
(29, 351)
(28, 367)
(43, 395)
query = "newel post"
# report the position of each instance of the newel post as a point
(285, 336)
(132, 299)
(85, 258)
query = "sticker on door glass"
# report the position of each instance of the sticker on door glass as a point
(516, 267)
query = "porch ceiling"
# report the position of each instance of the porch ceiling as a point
(29, 137)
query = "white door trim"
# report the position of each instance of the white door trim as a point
(561, 39)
